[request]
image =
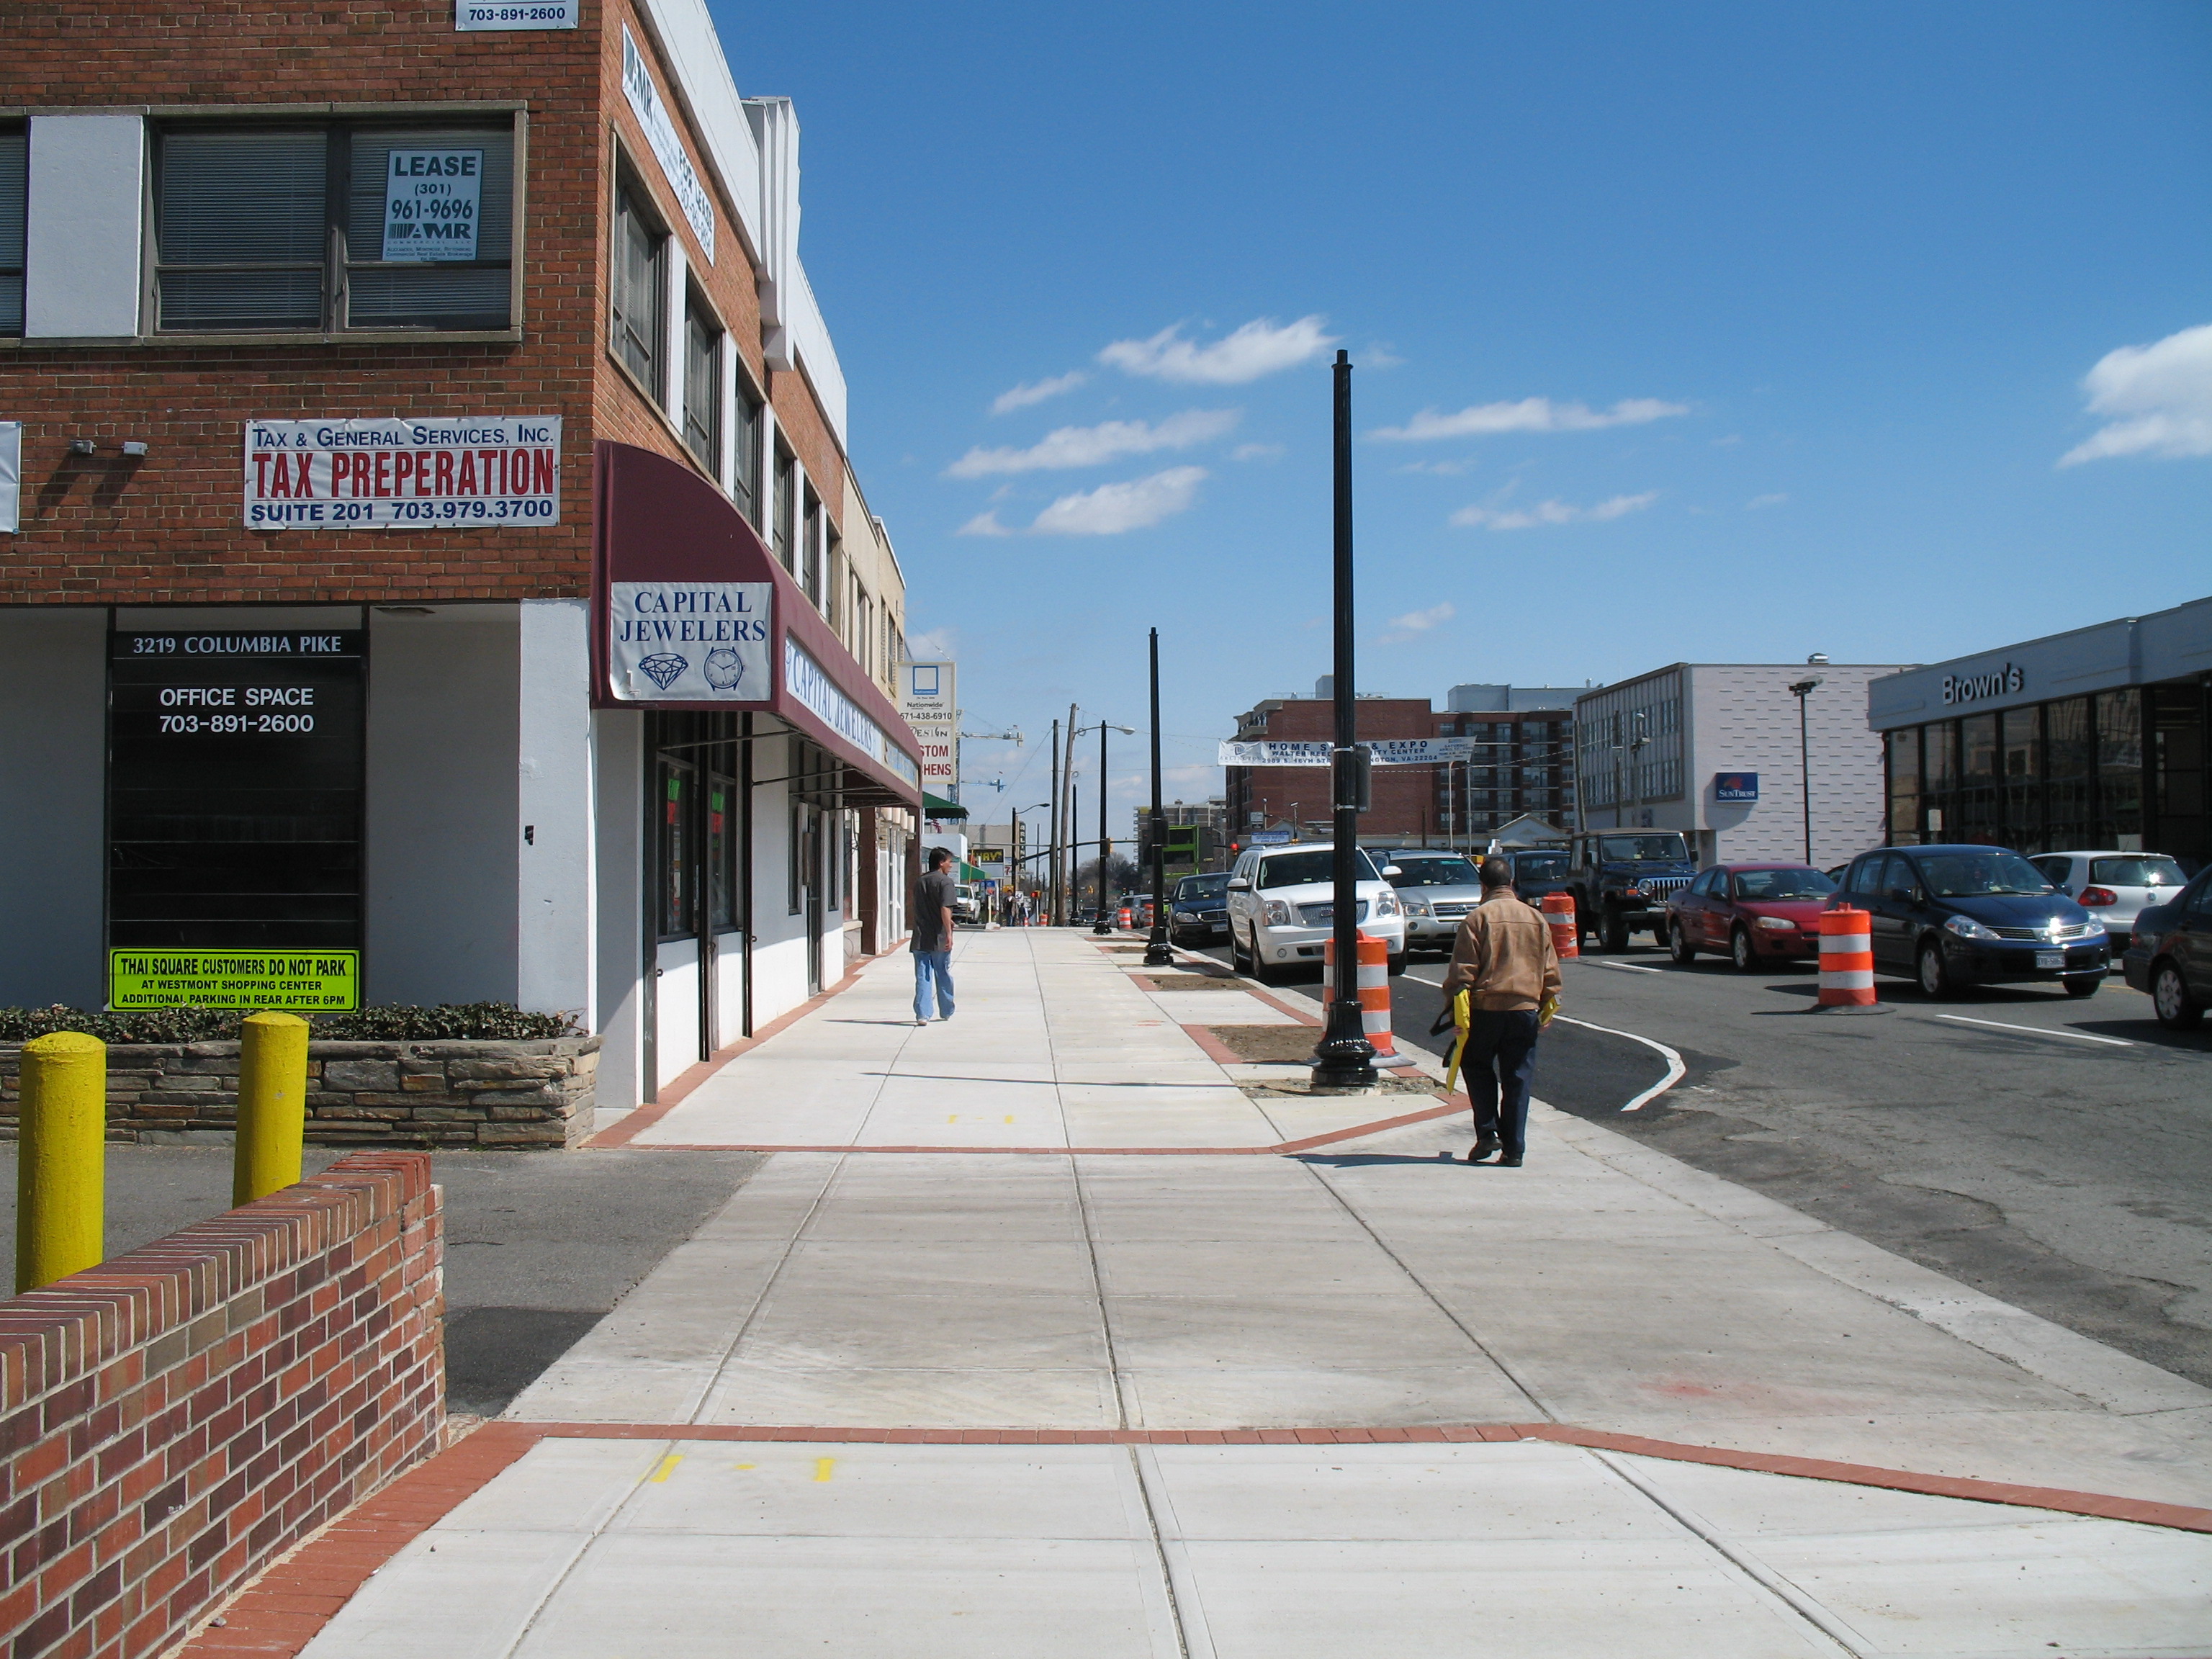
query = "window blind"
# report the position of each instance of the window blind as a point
(440, 294)
(702, 387)
(637, 291)
(251, 204)
(15, 159)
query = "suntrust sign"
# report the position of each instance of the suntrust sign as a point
(2006, 680)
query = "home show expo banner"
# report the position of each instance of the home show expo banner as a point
(1388, 751)
(466, 471)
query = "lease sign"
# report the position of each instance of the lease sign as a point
(469, 472)
(431, 204)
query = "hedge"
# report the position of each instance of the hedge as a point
(392, 1022)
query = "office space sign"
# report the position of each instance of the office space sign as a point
(432, 199)
(689, 642)
(1735, 786)
(469, 472)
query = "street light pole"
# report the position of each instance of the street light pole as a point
(1801, 690)
(1105, 847)
(1156, 953)
(1345, 1058)
(1052, 834)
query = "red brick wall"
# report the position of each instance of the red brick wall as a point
(173, 1420)
(1404, 796)
(167, 529)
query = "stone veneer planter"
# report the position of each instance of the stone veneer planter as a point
(489, 1094)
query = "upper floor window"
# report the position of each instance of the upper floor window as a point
(333, 225)
(702, 385)
(785, 508)
(744, 484)
(809, 550)
(638, 289)
(15, 165)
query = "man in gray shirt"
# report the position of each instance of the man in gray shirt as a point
(932, 938)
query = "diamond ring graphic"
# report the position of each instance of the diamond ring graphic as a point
(664, 666)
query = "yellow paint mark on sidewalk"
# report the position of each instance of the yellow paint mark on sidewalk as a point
(822, 1468)
(1010, 1117)
(668, 1467)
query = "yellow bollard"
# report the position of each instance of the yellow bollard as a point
(272, 1105)
(61, 1167)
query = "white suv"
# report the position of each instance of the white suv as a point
(2113, 887)
(1282, 909)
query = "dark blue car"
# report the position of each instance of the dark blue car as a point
(1198, 914)
(1953, 916)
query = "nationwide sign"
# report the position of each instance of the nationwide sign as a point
(1388, 751)
(306, 980)
(929, 701)
(466, 472)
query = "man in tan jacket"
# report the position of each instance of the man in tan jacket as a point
(1503, 959)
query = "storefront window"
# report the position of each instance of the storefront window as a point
(1978, 819)
(2020, 734)
(2068, 761)
(2119, 768)
(1903, 764)
(721, 855)
(677, 896)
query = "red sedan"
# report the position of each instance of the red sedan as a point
(1751, 913)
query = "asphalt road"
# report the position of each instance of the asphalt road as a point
(538, 1245)
(2054, 1152)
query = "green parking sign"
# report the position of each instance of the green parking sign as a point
(301, 981)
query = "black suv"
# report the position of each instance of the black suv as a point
(1953, 916)
(1622, 879)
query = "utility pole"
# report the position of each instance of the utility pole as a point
(1052, 834)
(1345, 1058)
(1156, 953)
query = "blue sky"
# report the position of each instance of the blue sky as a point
(1718, 332)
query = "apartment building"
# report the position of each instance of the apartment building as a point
(439, 572)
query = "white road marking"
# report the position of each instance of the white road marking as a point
(1622, 967)
(1676, 1070)
(2038, 1030)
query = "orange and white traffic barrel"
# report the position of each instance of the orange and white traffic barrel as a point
(1560, 912)
(1846, 959)
(1374, 982)
(1125, 918)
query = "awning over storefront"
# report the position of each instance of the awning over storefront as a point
(691, 613)
(936, 806)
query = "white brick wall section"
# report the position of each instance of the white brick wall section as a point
(85, 204)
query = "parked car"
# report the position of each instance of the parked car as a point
(967, 905)
(1437, 888)
(1282, 909)
(1953, 916)
(1538, 872)
(2113, 886)
(1621, 880)
(1749, 913)
(1199, 912)
(2170, 955)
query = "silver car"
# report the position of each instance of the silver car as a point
(2113, 886)
(1437, 888)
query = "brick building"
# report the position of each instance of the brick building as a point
(438, 539)
(1522, 763)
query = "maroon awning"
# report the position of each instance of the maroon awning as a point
(690, 611)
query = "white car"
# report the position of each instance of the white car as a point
(1282, 909)
(2113, 886)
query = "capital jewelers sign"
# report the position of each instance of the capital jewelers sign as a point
(698, 642)
(469, 472)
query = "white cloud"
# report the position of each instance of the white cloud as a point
(2164, 389)
(938, 642)
(1092, 446)
(1379, 356)
(1112, 508)
(1530, 414)
(1442, 469)
(1758, 501)
(1420, 622)
(984, 524)
(1552, 512)
(1256, 452)
(1036, 392)
(1260, 346)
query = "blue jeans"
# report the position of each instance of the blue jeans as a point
(1501, 1050)
(932, 967)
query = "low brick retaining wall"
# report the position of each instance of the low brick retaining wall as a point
(174, 1419)
(524, 1095)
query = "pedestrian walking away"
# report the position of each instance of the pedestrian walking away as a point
(1503, 960)
(932, 938)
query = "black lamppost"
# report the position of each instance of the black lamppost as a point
(1156, 953)
(1345, 1058)
(1801, 690)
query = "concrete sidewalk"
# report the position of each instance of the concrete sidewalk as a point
(710, 1468)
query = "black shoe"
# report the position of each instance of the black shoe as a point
(1483, 1147)
(1510, 1161)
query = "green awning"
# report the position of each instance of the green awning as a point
(970, 873)
(934, 807)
